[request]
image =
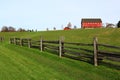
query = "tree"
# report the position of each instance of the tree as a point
(36, 30)
(32, 30)
(118, 24)
(54, 28)
(75, 27)
(4, 29)
(11, 29)
(29, 30)
(21, 30)
(69, 25)
(47, 29)
(110, 25)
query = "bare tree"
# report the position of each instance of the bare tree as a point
(47, 29)
(11, 29)
(4, 29)
(36, 30)
(54, 28)
(21, 30)
(32, 30)
(69, 25)
(110, 25)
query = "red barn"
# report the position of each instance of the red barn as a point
(91, 23)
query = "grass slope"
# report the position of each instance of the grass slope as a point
(107, 35)
(22, 63)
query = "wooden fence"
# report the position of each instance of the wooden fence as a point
(72, 50)
(1, 39)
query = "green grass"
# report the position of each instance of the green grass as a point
(22, 63)
(110, 36)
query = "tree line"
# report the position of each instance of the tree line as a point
(12, 29)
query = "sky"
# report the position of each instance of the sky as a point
(42, 14)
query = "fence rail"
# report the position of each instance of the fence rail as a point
(79, 44)
(69, 48)
(109, 46)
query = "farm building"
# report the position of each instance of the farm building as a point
(91, 23)
(67, 28)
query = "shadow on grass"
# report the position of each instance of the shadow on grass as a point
(87, 58)
(110, 65)
(90, 61)
(55, 52)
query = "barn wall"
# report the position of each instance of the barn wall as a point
(91, 25)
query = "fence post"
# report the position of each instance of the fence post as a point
(61, 46)
(41, 44)
(29, 43)
(21, 42)
(95, 52)
(1, 39)
(15, 41)
(10, 40)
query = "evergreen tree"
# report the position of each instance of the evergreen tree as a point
(118, 24)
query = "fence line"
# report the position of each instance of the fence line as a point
(1, 39)
(70, 49)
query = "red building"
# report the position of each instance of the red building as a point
(91, 23)
(67, 28)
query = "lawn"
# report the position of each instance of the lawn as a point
(22, 63)
(106, 35)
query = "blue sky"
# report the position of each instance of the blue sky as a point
(42, 14)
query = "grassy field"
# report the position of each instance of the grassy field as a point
(22, 63)
(110, 36)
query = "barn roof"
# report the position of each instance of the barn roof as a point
(91, 20)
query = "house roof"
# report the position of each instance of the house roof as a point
(67, 28)
(91, 20)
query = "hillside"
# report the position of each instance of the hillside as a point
(22, 63)
(110, 36)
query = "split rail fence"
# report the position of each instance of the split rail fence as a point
(72, 50)
(1, 39)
